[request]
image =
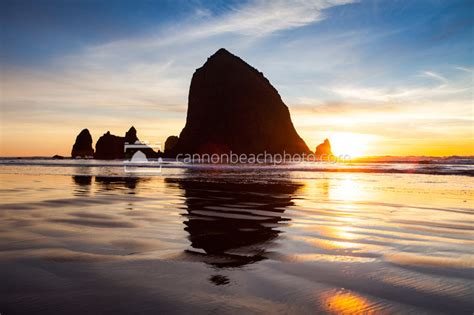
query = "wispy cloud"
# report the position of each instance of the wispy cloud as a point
(308, 106)
(264, 17)
(133, 71)
(457, 87)
(465, 69)
(436, 76)
(428, 108)
(254, 20)
(153, 70)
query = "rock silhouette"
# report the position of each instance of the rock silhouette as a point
(233, 107)
(82, 148)
(111, 147)
(131, 135)
(170, 145)
(236, 235)
(324, 149)
(131, 138)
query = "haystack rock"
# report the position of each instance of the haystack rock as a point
(233, 107)
(111, 147)
(82, 148)
(324, 149)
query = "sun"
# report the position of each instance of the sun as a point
(353, 145)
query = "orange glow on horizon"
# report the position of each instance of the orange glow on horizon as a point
(16, 140)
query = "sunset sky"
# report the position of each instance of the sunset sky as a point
(375, 77)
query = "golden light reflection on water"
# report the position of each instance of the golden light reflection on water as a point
(330, 258)
(348, 189)
(326, 244)
(344, 232)
(342, 197)
(340, 235)
(345, 302)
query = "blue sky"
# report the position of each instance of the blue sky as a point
(386, 74)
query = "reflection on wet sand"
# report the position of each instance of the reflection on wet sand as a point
(232, 224)
(105, 183)
(221, 242)
(83, 185)
(112, 183)
(82, 180)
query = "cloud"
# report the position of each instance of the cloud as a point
(265, 17)
(428, 109)
(435, 76)
(254, 20)
(465, 69)
(457, 87)
(150, 72)
(309, 106)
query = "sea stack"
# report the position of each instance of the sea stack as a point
(131, 135)
(82, 148)
(111, 147)
(324, 149)
(233, 107)
(170, 145)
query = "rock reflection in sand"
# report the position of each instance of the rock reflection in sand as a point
(232, 224)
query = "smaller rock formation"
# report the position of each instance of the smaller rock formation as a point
(170, 144)
(324, 149)
(109, 147)
(82, 148)
(131, 138)
(131, 135)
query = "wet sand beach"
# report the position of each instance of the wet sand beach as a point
(83, 239)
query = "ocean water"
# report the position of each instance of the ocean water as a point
(84, 237)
